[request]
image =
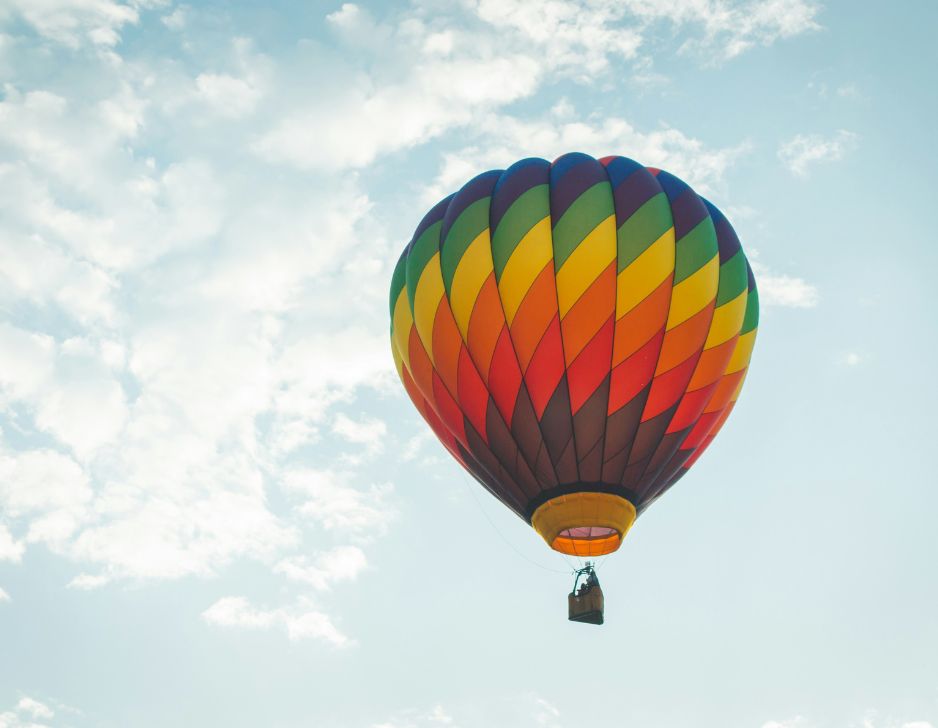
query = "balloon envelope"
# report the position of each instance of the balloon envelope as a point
(575, 333)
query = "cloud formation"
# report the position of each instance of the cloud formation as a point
(779, 289)
(30, 713)
(803, 151)
(425, 77)
(76, 22)
(300, 621)
(194, 258)
(525, 710)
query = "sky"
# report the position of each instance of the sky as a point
(217, 505)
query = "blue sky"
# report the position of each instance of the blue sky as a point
(217, 506)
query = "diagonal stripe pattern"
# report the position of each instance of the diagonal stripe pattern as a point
(581, 326)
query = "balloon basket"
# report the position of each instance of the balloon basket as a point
(586, 607)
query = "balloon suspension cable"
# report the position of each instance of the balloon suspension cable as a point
(588, 570)
(471, 490)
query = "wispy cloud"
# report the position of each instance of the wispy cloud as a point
(34, 708)
(874, 719)
(75, 22)
(436, 74)
(32, 713)
(796, 722)
(787, 291)
(321, 571)
(301, 621)
(526, 710)
(870, 720)
(720, 27)
(10, 548)
(190, 308)
(780, 289)
(369, 432)
(500, 140)
(803, 151)
(331, 500)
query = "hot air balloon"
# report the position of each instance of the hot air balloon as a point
(575, 333)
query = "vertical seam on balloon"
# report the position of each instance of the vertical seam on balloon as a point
(615, 305)
(631, 445)
(431, 402)
(514, 351)
(720, 419)
(465, 344)
(565, 378)
(660, 486)
(455, 396)
(649, 488)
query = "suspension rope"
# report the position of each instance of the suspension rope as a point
(471, 490)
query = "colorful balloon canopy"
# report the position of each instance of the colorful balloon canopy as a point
(575, 333)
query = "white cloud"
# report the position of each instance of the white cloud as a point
(63, 385)
(435, 716)
(369, 432)
(849, 91)
(75, 22)
(869, 721)
(28, 713)
(350, 16)
(235, 92)
(184, 320)
(778, 289)
(872, 720)
(170, 530)
(731, 28)
(719, 28)
(176, 20)
(65, 411)
(46, 489)
(300, 622)
(545, 714)
(88, 581)
(366, 122)
(410, 100)
(321, 369)
(579, 40)
(416, 444)
(28, 362)
(852, 359)
(438, 715)
(500, 140)
(825, 90)
(787, 291)
(343, 563)
(34, 270)
(34, 708)
(804, 150)
(328, 499)
(4, 597)
(527, 710)
(76, 188)
(158, 466)
(796, 722)
(10, 548)
(231, 96)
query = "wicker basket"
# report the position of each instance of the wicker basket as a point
(586, 607)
